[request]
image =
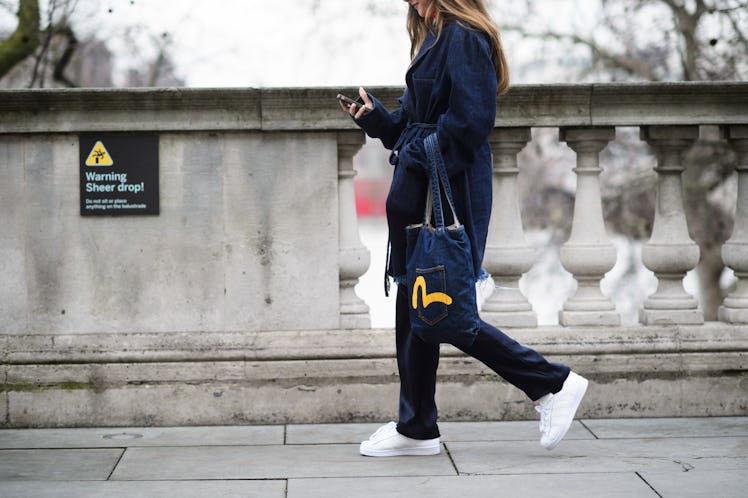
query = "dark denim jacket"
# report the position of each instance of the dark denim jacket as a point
(451, 91)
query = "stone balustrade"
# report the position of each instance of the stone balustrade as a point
(236, 303)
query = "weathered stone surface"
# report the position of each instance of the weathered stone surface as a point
(669, 427)
(169, 109)
(152, 489)
(222, 255)
(134, 109)
(668, 104)
(689, 458)
(136, 347)
(600, 456)
(269, 462)
(723, 483)
(129, 437)
(336, 376)
(450, 432)
(608, 485)
(13, 298)
(58, 465)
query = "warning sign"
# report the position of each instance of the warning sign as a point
(129, 185)
(99, 156)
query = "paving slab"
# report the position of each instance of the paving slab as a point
(668, 427)
(504, 431)
(690, 457)
(609, 485)
(700, 483)
(270, 462)
(123, 437)
(58, 465)
(151, 489)
(450, 431)
(329, 433)
(614, 455)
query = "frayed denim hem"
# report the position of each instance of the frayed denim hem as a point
(402, 279)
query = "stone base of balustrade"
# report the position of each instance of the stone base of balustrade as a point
(156, 379)
(589, 318)
(355, 321)
(665, 317)
(733, 315)
(510, 319)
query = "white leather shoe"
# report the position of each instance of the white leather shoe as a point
(557, 410)
(386, 442)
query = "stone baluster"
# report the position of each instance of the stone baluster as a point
(588, 254)
(670, 251)
(508, 254)
(734, 309)
(353, 256)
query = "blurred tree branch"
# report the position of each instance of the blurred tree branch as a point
(635, 67)
(71, 44)
(24, 41)
(708, 38)
(656, 40)
(31, 40)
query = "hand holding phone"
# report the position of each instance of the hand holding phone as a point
(354, 108)
(346, 100)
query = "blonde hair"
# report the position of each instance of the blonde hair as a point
(471, 14)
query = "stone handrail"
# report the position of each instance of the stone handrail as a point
(294, 109)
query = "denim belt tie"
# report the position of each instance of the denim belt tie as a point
(409, 133)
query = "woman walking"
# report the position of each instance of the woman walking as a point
(458, 67)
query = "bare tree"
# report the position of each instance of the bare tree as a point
(51, 45)
(45, 50)
(24, 41)
(658, 40)
(652, 40)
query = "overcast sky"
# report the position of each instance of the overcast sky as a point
(260, 43)
(271, 43)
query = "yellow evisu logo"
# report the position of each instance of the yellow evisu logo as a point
(434, 297)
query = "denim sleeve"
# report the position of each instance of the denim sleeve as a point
(382, 124)
(471, 112)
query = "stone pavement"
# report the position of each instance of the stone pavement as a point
(631, 458)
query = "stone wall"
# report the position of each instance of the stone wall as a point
(224, 254)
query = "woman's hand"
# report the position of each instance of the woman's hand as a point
(357, 110)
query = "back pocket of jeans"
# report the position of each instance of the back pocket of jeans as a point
(429, 296)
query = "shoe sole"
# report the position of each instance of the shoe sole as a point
(577, 401)
(425, 451)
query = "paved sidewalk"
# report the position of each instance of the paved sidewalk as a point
(627, 458)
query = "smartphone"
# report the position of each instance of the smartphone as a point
(347, 101)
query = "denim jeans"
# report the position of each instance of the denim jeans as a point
(417, 362)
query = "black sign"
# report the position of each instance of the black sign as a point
(118, 174)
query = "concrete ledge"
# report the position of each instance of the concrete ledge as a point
(309, 109)
(145, 347)
(351, 375)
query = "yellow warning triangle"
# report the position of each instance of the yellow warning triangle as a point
(99, 156)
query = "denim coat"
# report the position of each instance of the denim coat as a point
(451, 91)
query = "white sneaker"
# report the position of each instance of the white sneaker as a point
(557, 410)
(386, 441)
